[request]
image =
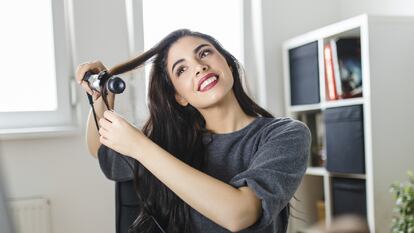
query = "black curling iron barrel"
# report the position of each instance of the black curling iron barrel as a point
(102, 80)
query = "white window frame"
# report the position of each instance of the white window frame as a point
(64, 119)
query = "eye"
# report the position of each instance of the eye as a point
(205, 52)
(179, 71)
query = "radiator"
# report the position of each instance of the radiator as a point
(31, 215)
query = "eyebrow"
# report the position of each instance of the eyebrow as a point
(194, 51)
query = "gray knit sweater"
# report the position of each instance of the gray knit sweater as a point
(269, 156)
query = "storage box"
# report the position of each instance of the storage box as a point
(345, 139)
(349, 196)
(304, 74)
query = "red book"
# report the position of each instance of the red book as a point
(330, 82)
(335, 65)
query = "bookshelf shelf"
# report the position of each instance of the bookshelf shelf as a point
(304, 108)
(316, 171)
(383, 132)
(342, 102)
(346, 175)
(321, 171)
(326, 104)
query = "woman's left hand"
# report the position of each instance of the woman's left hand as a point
(118, 134)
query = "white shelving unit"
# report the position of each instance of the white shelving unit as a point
(387, 51)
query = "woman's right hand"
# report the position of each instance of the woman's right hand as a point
(94, 67)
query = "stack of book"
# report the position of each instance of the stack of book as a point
(343, 75)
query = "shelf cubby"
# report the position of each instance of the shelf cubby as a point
(385, 124)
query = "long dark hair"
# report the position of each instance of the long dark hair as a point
(178, 130)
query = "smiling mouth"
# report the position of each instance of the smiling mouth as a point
(208, 83)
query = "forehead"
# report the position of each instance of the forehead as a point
(184, 47)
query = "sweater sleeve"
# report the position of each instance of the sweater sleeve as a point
(115, 166)
(276, 169)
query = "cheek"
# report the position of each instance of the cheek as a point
(229, 76)
(183, 86)
(232, 81)
(225, 68)
(229, 82)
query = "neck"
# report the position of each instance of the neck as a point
(226, 116)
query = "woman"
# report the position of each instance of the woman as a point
(208, 159)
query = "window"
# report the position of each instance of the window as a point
(221, 19)
(35, 62)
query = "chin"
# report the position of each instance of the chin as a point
(217, 98)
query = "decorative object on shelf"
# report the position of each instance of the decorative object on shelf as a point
(314, 121)
(318, 156)
(404, 205)
(343, 73)
(348, 51)
(320, 206)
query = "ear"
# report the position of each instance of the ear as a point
(181, 100)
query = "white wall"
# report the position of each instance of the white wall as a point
(349, 8)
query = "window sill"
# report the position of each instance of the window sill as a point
(40, 132)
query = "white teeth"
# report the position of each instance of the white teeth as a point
(208, 81)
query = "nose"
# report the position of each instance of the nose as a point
(201, 68)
